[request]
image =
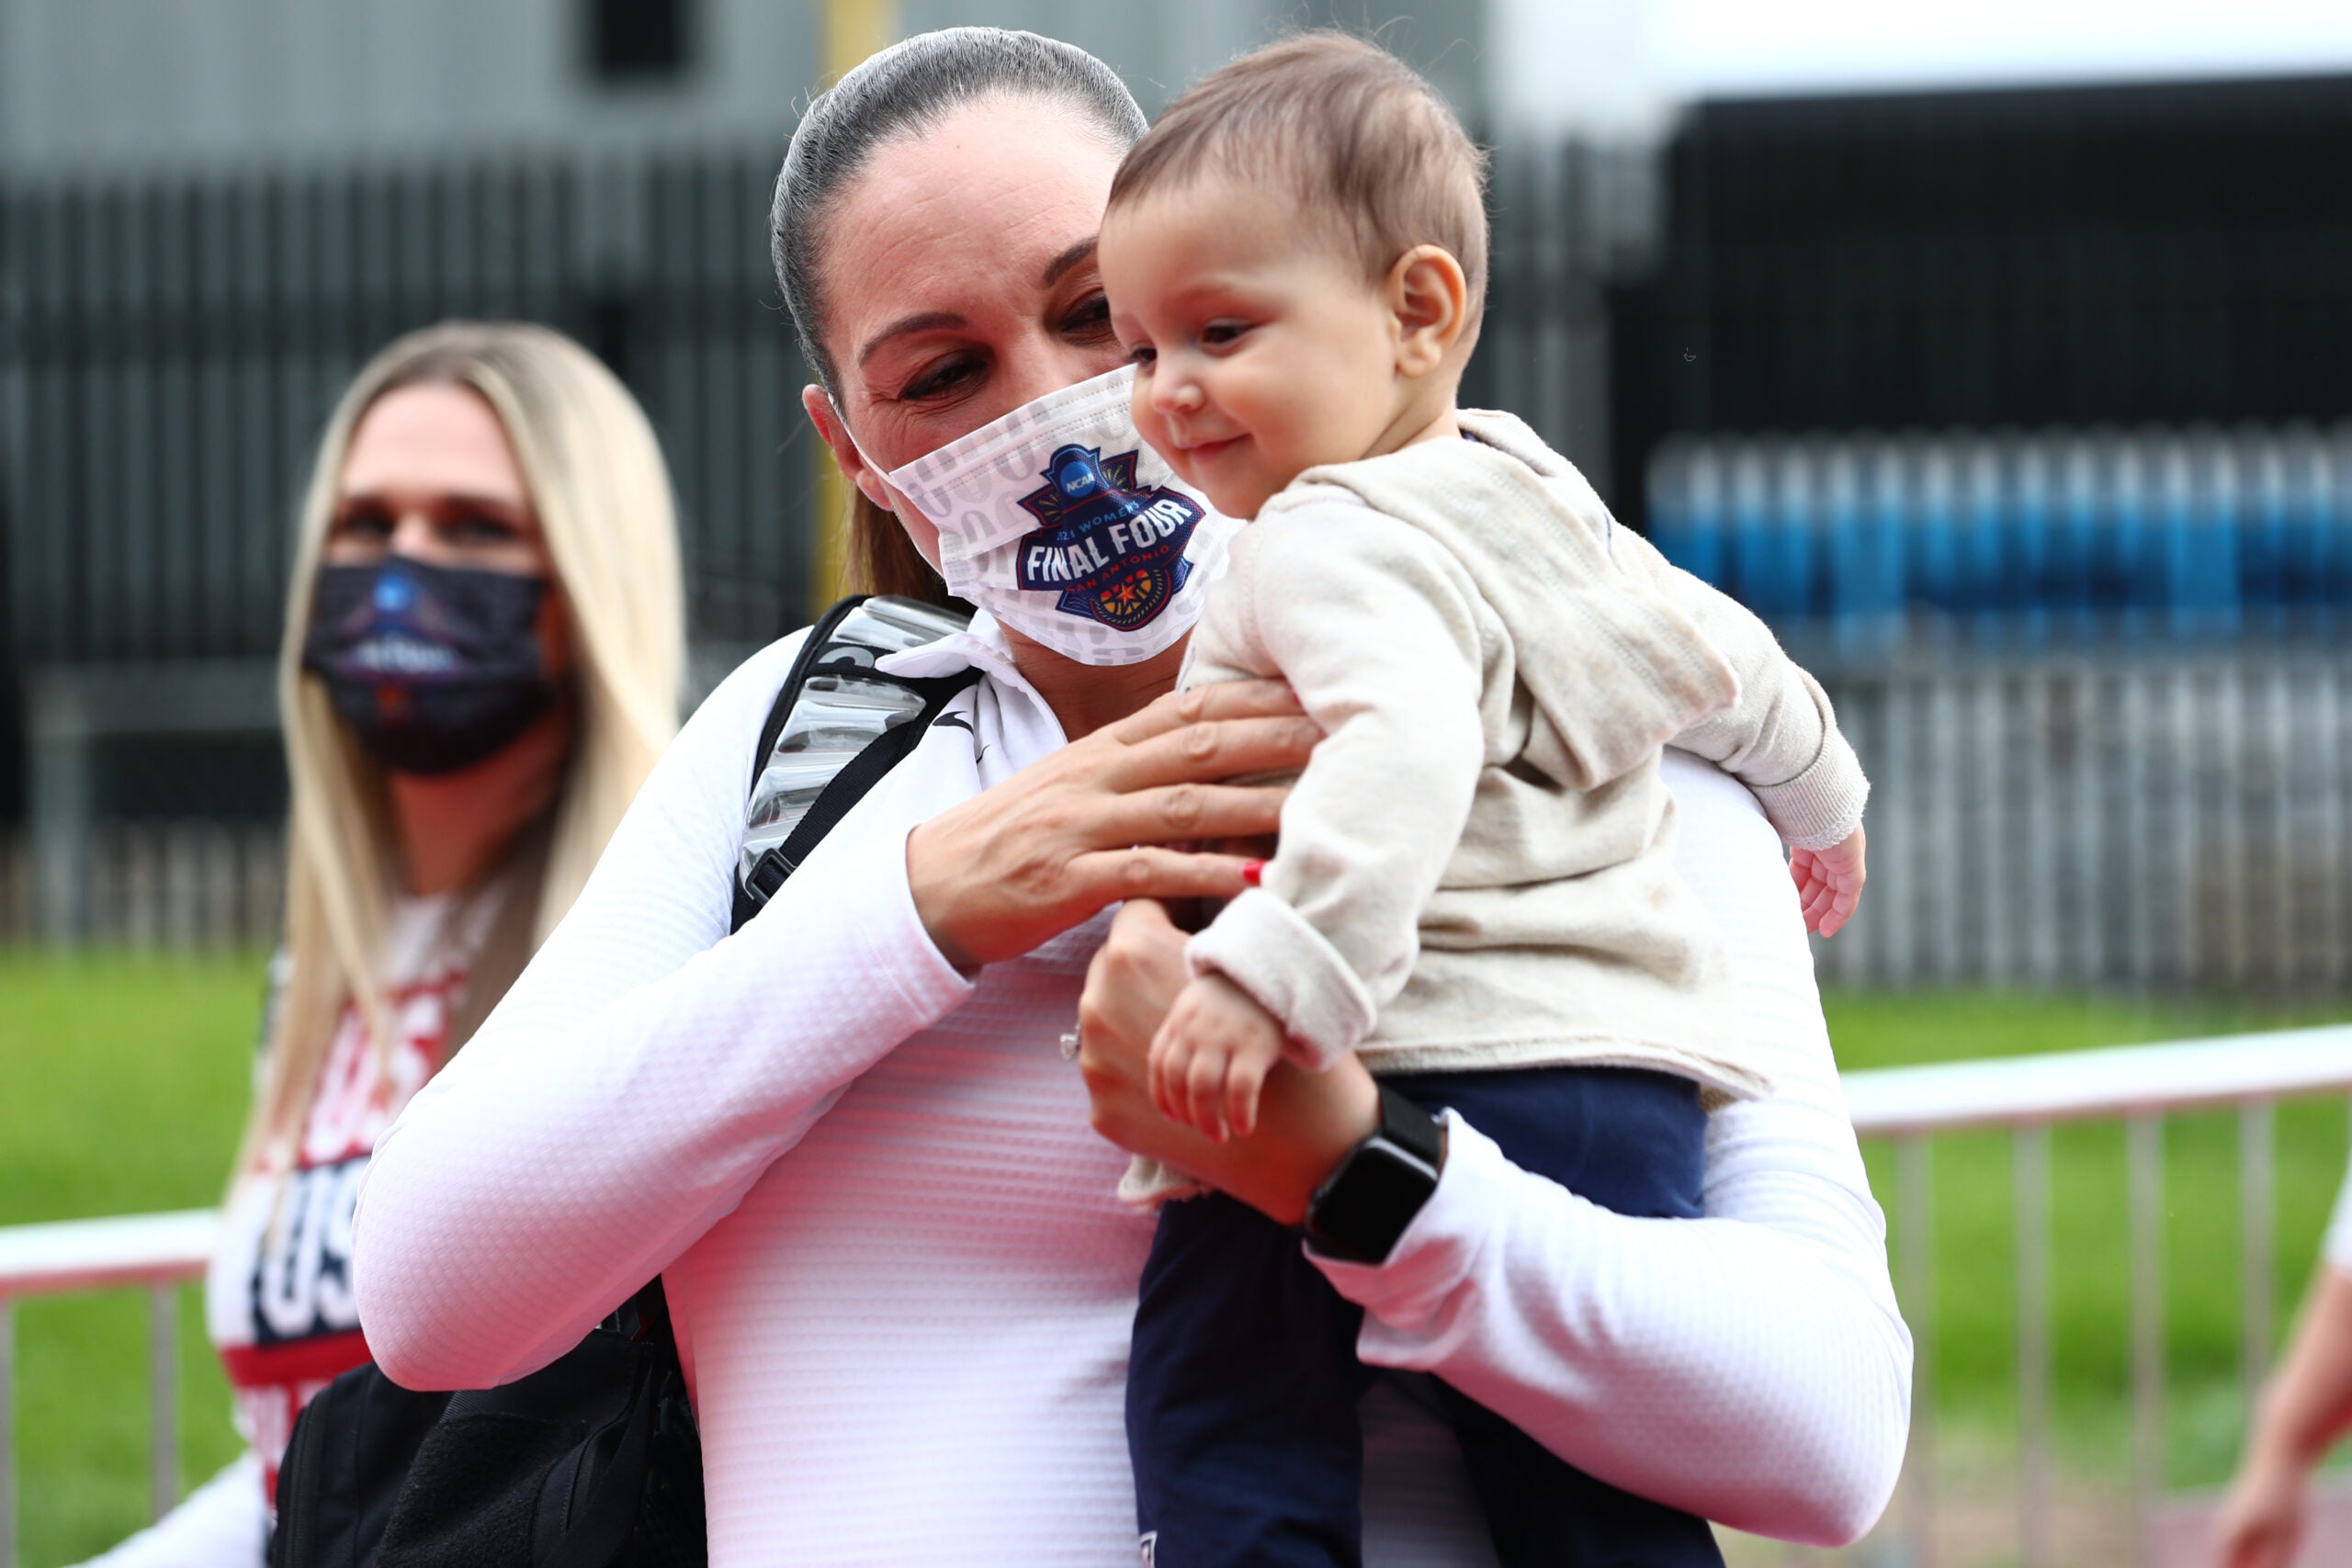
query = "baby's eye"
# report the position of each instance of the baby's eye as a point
(1222, 334)
(1143, 356)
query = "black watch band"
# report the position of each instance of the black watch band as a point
(1364, 1205)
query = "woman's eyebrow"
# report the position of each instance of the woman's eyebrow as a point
(1060, 266)
(920, 322)
(438, 501)
(468, 501)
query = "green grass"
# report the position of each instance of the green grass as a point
(1973, 1253)
(126, 1085)
(127, 1080)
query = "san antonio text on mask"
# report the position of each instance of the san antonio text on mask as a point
(1115, 552)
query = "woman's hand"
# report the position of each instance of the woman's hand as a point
(2306, 1406)
(1085, 828)
(2262, 1524)
(1307, 1121)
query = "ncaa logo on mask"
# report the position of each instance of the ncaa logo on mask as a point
(1113, 552)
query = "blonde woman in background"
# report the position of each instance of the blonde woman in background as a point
(482, 655)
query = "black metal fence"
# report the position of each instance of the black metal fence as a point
(169, 351)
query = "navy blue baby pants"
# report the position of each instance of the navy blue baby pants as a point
(1243, 1383)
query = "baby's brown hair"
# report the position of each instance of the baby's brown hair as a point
(1367, 146)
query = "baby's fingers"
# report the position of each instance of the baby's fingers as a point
(1170, 1057)
(1809, 890)
(1843, 902)
(1204, 1092)
(1243, 1081)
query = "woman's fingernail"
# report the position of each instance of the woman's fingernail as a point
(1253, 872)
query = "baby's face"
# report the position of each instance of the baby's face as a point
(1261, 347)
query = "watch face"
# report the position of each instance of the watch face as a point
(1363, 1212)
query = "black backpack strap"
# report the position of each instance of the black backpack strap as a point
(837, 725)
(820, 637)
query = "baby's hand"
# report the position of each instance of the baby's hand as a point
(1211, 1057)
(1829, 882)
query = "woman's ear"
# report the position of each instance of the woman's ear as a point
(1430, 299)
(819, 405)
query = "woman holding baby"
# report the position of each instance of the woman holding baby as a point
(903, 1288)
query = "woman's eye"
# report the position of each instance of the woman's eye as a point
(366, 525)
(939, 378)
(1090, 318)
(473, 529)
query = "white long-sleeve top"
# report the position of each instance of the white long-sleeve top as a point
(903, 1288)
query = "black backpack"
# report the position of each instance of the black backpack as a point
(594, 1461)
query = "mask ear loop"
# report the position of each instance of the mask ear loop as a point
(876, 468)
(883, 473)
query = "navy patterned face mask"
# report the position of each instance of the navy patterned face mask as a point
(434, 668)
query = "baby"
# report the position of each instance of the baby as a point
(1474, 887)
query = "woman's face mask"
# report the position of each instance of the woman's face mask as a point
(434, 668)
(1058, 521)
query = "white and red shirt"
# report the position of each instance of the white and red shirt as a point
(278, 1300)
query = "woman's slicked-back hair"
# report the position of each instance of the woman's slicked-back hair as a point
(899, 91)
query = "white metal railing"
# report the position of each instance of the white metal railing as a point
(154, 1250)
(2138, 1084)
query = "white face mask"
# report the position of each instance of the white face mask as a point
(1058, 521)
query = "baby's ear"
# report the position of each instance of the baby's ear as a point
(1430, 300)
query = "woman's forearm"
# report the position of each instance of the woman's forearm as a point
(1751, 1370)
(565, 1160)
(2308, 1403)
(639, 1077)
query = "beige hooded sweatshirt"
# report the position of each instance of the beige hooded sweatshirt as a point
(1475, 869)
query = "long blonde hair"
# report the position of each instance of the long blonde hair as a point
(594, 475)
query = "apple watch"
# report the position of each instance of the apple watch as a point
(1366, 1202)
